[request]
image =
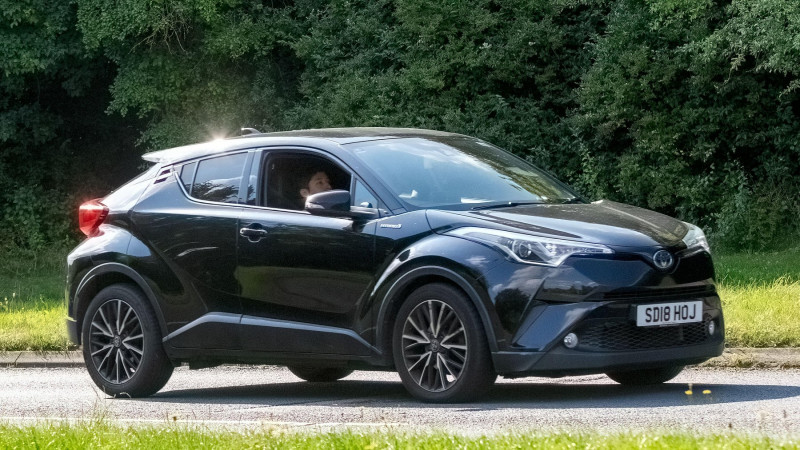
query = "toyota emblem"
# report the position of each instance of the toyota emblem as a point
(663, 259)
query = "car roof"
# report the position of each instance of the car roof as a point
(340, 136)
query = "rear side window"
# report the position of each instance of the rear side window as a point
(217, 179)
(187, 175)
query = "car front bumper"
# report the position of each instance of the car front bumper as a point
(608, 340)
(561, 361)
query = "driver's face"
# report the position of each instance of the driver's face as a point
(319, 183)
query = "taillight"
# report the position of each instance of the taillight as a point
(90, 215)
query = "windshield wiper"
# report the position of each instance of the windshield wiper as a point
(504, 205)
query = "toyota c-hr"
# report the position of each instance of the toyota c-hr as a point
(434, 254)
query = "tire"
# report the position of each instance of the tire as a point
(643, 377)
(439, 321)
(122, 344)
(320, 374)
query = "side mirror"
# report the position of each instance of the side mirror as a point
(329, 203)
(336, 203)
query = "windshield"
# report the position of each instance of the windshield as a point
(457, 172)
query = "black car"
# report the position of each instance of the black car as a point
(434, 254)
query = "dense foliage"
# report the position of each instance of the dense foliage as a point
(55, 138)
(688, 107)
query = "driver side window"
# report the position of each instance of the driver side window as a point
(289, 178)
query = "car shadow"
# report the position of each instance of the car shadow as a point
(355, 393)
(560, 396)
(344, 391)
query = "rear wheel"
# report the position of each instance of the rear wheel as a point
(122, 344)
(642, 377)
(320, 374)
(440, 348)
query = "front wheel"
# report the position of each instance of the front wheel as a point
(439, 346)
(122, 344)
(641, 377)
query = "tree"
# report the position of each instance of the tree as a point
(679, 115)
(195, 69)
(43, 67)
(688, 107)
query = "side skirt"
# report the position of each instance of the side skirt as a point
(233, 338)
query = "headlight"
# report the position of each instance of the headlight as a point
(695, 239)
(531, 249)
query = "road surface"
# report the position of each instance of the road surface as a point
(265, 397)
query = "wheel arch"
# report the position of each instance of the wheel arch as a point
(415, 278)
(108, 274)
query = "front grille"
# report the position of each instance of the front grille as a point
(673, 293)
(622, 334)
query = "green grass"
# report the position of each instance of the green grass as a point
(759, 269)
(30, 275)
(102, 435)
(36, 325)
(760, 298)
(760, 294)
(762, 315)
(31, 300)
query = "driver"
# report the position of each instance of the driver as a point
(316, 181)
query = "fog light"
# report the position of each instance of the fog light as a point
(711, 328)
(571, 340)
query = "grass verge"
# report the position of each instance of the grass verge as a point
(36, 325)
(102, 435)
(758, 269)
(760, 295)
(762, 315)
(31, 300)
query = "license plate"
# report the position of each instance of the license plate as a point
(669, 313)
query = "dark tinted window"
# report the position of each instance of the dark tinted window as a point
(286, 175)
(218, 179)
(187, 176)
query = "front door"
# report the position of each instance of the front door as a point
(303, 277)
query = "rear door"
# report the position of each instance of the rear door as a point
(190, 222)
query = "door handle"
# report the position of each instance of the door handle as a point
(253, 234)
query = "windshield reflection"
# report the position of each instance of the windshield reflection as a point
(457, 173)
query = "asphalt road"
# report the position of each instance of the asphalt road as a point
(757, 401)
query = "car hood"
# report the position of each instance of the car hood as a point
(603, 222)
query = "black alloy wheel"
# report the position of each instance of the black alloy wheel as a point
(439, 346)
(117, 341)
(434, 345)
(122, 344)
